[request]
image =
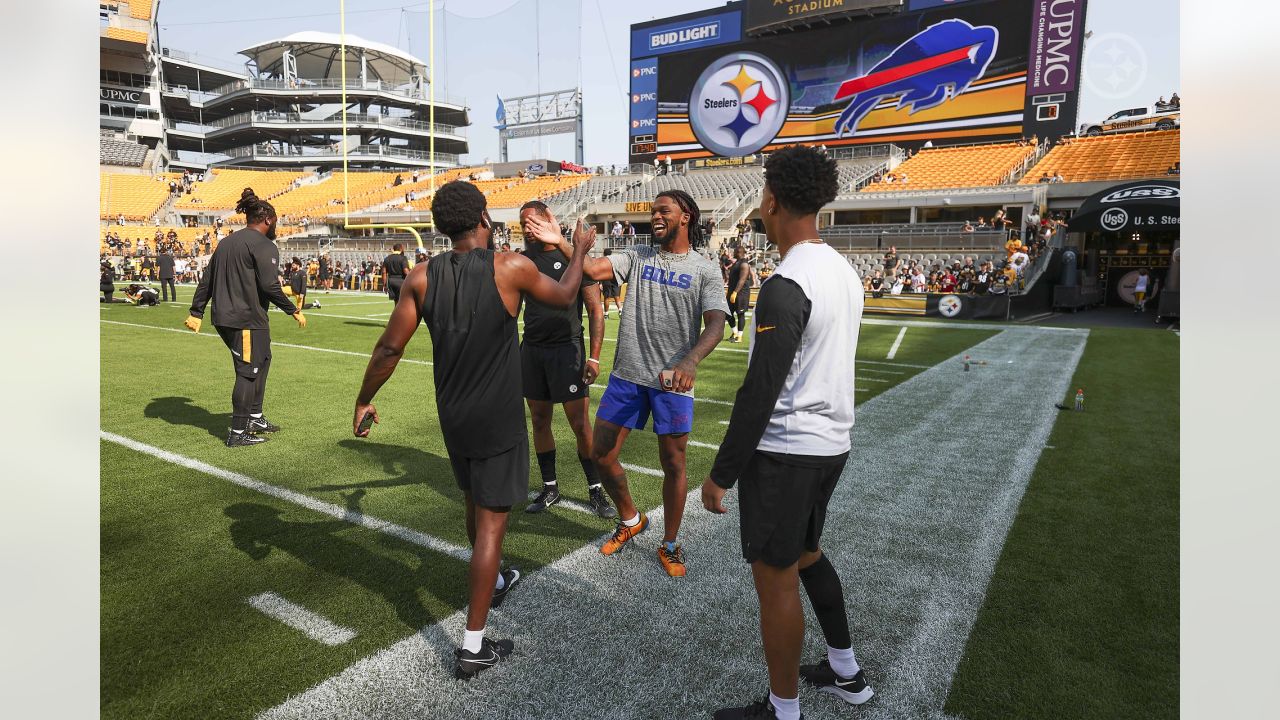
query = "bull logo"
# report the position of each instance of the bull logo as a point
(936, 65)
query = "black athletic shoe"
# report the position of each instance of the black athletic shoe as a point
(759, 710)
(601, 505)
(549, 496)
(262, 425)
(243, 439)
(853, 690)
(491, 653)
(511, 576)
(315, 305)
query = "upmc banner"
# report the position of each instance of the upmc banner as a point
(951, 73)
(1056, 28)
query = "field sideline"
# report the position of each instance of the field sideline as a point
(235, 581)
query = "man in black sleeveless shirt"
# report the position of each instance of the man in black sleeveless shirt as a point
(395, 267)
(556, 369)
(469, 299)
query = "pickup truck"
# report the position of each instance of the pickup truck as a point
(1155, 117)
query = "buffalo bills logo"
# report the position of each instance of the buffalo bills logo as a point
(935, 65)
(666, 277)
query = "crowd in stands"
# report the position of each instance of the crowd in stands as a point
(964, 277)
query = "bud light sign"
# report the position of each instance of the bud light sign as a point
(705, 31)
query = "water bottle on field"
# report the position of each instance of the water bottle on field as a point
(1079, 399)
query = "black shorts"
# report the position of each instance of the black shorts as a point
(783, 503)
(495, 482)
(393, 288)
(250, 349)
(743, 302)
(609, 289)
(553, 373)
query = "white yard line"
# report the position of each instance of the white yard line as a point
(335, 511)
(313, 625)
(706, 445)
(641, 470)
(274, 343)
(896, 344)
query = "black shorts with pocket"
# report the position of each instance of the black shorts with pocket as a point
(499, 481)
(553, 373)
(250, 349)
(783, 503)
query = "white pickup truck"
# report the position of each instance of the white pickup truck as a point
(1155, 117)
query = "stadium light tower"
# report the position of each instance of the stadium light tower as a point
(550, 113)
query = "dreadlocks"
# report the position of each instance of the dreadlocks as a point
(687, 204)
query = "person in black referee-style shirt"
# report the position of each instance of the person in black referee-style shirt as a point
(788, 436)
(395, 268)
(242, 278)
(469, 299)
(555, 367)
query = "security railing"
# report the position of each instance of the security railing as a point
(407, 90)
(332, 152)
(274, 117)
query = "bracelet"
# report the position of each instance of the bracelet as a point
(593, 360)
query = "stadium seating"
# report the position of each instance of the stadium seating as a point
(317, 200)
(126, 35)
(222, 191)
(140, 9)
(1110, 157)
(539, 188)
(137, 197)
(121, 152)
(955, 167)
(145, 235)
(866, 262)
(710, 184)
(606, 187)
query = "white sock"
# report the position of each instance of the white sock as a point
(502, 582)
(237, 432)
(842, 661)
(471, 640)
(256, 416)
(785, 709)
(633, 521)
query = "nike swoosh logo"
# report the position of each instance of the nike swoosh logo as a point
(492, 660)
(765, 328)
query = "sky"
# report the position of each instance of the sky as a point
(486, 48)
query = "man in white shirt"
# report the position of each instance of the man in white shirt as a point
(788, 436)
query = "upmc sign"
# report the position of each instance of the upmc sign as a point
(1054, 58)
(118, 95)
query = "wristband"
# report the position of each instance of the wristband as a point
(593, 360)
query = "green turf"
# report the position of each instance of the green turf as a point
(1081, 616)
(182, 551)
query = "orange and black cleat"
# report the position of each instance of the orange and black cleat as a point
(623, 534)
(672, 560)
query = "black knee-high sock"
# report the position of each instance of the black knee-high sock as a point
(822, 585)
(742, 320)
(589, 469)
(547, 465)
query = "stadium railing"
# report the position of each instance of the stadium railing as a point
(403, 89)
(271, 117)
(379, 150)
(912, 237)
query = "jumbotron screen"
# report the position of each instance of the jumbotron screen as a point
(947, 72)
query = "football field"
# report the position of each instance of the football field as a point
(322, 575)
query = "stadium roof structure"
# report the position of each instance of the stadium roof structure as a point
(318, 55)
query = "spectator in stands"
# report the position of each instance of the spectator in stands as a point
(1057, 177)
(968, 226)
(891, 261)
(657, 165)
(919, 283)
(946, 281)
(898, 285)
(903, 179)
(668, 171)
(120, 219)
(933, 284)
(965, 280)
(875, 284)
(616, 231)
(1012, 274)
(1044, 177)
(1175, 101)
(1174, 169)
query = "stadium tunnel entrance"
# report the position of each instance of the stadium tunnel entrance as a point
(1121, 230)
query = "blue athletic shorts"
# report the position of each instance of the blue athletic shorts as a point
(628, 405)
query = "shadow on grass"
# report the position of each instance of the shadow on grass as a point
(362, 323)
(404, 465)
(257, 530)
(183, 411)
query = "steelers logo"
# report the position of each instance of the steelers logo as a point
(558, 265)
(573, 388)
(738, 104)
(949, 306)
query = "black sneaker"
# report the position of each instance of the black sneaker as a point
(262, 425)
(759, 710)
(601, 505)
(549, 496)
(242, 439)
(491, 653)
(511, 576)
(853, 690)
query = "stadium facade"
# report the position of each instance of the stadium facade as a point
(162, 108)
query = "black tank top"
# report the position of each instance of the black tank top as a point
(476, 355)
